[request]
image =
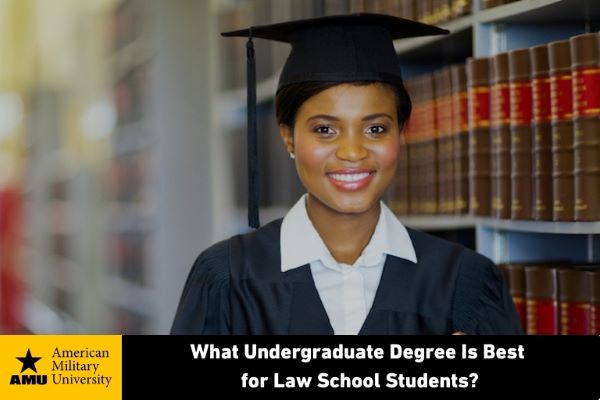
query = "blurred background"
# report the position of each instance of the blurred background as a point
(114, 160)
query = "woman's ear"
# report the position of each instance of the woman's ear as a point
(288, 137)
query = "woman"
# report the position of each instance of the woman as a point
(340, 262)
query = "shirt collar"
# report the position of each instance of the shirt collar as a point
(301, 244)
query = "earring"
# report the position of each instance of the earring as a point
(292, 156)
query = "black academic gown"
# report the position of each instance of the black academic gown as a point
(236, 287)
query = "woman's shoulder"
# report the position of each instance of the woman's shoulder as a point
(481, 303)
(430, 247)
(220, 260)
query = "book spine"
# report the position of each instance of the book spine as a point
(424, 11)
(500, 137)
(430, 146)
(400, 196)
(357, 6)
(460, 127)
(542, 295)
(334, 7)
(574, 296)
(479, 136)
(402, 183)
(562, 130)
(515, 277)
(443, 84)
(542, 134)
(408, 9)
(521, 110)
(585, 56)
(412, 130)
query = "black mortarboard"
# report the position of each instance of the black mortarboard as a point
(339, 48)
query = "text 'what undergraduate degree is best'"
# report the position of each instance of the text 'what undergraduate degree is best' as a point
(369, 352)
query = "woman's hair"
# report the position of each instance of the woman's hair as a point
(290, 98)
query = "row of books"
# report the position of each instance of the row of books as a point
(554, 299)
(427, 11)
(512, 136)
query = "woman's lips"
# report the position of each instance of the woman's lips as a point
(350, 180)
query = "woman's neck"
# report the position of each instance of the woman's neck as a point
(345, 235)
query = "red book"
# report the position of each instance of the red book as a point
(575, 310)
(514, 275)
(542, 134)
(521, 115)
(542, 295)
(460, 129)
(585, 56)
(562, 130)
(478, 83)
(500, 137)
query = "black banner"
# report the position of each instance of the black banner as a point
(407, 367)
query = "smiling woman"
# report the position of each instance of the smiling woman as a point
(346, 143)
(340, 262)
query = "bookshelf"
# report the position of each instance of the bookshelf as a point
(524, 24)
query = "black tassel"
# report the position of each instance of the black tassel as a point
(253, 181)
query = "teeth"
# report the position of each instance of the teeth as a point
(349, 177)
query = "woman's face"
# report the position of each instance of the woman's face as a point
(346, 142)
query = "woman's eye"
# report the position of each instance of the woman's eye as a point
(324, 130)
(376, 129)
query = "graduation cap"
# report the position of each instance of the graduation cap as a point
(338, 48)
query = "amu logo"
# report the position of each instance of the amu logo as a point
(28, 363)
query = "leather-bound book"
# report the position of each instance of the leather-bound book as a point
(594, 277)
(460, 136)
(541, 290)
(430, 146)
(412, 130)
(335, 7)
(408, 9)
(399, 201)
(478, 83)
(514, 274)
(585, 57)
(443, 84)
(500, 137)
(574, 299)
(542, 134)
(424, 10)
(356, 6)
(562, 130)
(399, 196)
(521, 112)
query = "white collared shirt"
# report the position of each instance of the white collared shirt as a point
(346, 291)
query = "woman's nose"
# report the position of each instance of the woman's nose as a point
(351, 148)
